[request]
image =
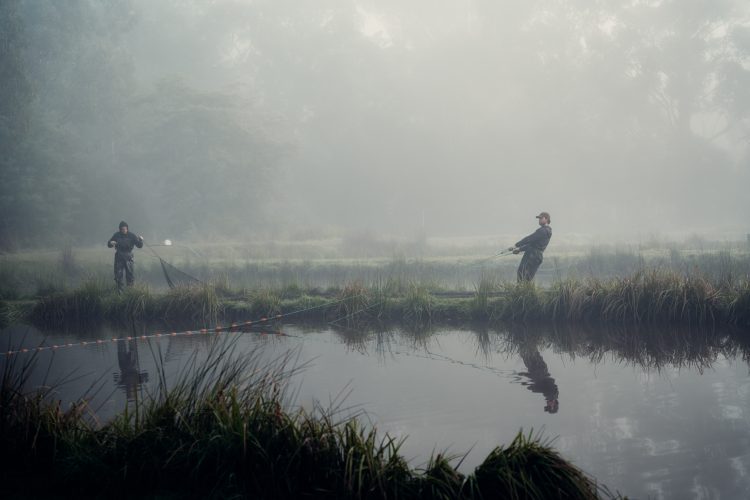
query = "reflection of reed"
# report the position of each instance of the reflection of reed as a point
(651, 348)
(360, 339)
(647, 347)
(419, 341)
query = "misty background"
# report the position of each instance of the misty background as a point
(236, 120)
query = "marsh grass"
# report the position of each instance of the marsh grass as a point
(199, 303)
(645, 297)
(418, 304)
(223, 428)
(739, 304)
(68, 263)
(354, 301)
(10, 313)
(529, 468)
(84, 304)
(264, 302)
(481, 304)
(135, 302)
(521, 302)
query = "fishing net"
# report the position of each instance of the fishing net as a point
(172, 275)
(175, 277)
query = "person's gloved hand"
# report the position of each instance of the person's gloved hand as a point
(516, 251)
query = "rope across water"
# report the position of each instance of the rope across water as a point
(232, 327)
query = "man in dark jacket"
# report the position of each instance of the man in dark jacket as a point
(532, 247)
(123, 241)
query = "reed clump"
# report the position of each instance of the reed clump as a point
(83, 304)
(199, 303)
(9, 313)
(521, 302)
(264, 302)
(481, 304)
(135, 302)
(353, 303)
(222, 429)
(529, 468)
(644, 297)
(739, 304)
(418, 304)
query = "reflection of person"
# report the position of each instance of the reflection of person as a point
(123, 241)
(541, 381)
(532, 247)
(129, 378)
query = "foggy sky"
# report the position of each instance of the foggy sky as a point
(454, 117)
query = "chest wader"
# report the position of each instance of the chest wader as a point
(124, 264)
(530, 262)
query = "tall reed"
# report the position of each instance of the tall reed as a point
(264, 302)
(528, 468)
(85, 303)
(418, 304)
(353, 303)
(199, 303)
(135, 302)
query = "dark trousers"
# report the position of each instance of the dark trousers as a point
(530, 262)
(124, 265)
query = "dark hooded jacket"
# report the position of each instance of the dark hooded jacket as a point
(125, 243)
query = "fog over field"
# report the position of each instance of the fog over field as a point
(239, 120)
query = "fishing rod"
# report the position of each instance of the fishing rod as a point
(502, 253)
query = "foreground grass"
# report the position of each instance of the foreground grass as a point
(645, 297)
(223, 429)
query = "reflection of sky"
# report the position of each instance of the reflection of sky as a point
(677, 433)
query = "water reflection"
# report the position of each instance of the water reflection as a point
(540, 380)
(651, 348)
(650, 411)
(131, 377)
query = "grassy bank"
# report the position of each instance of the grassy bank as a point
(33, 274)
(648, 297)
(227, 430)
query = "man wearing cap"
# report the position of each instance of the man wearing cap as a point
(123, 241)
(532, 247)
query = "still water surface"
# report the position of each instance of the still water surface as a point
(652, 419)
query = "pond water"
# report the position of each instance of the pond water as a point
(646, 413)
